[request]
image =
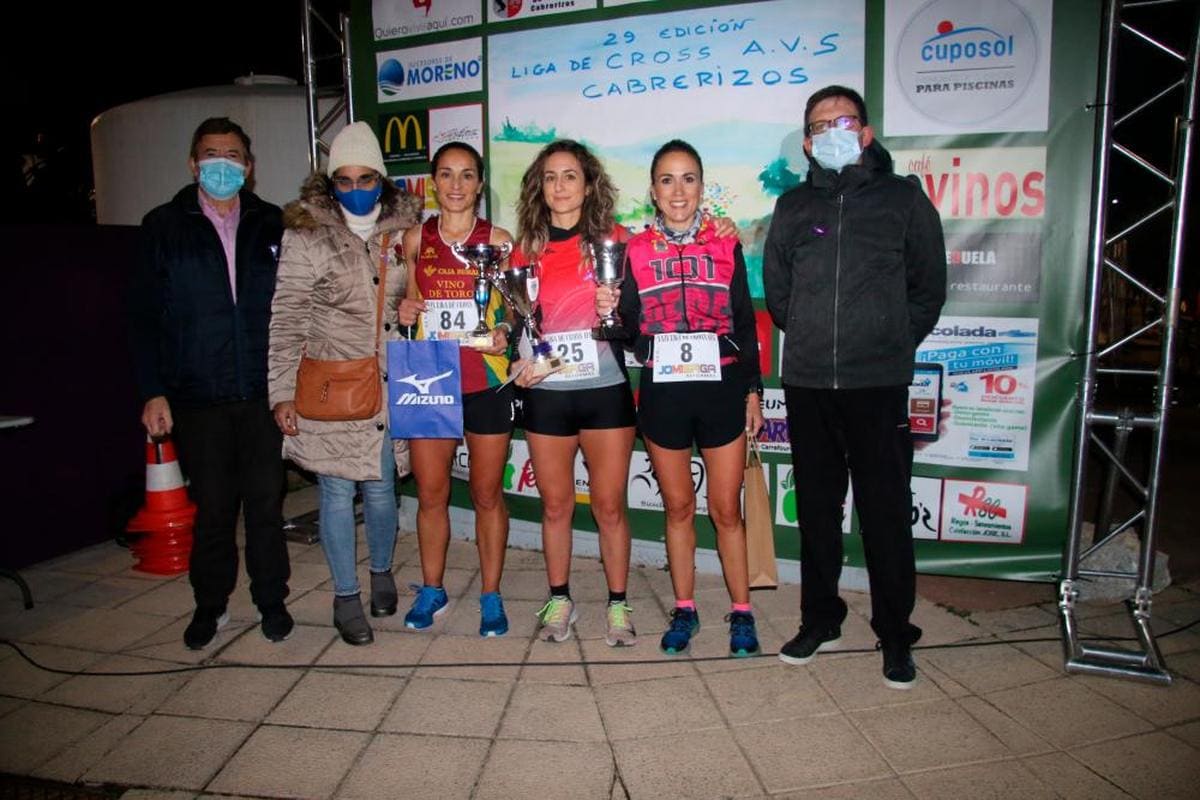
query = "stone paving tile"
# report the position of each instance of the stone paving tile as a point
(389, 654)
(155, 794)
(857, 682)
(1161, 705)
(926, 735)
(26, 625)
(1185, 664)
(600, 674)
(388, 768)
(568, 653)
(796, 753)
(9, 704)
(1066, 713)
(131, 694)
(1001, 780)
(986, 669)
(472, 650)
(306, 576)
(331, 700)
(290, 762)
(44, 585)
(235, 694)
(104, 630)
(578, 770)
(657, 707)
(455, 582)
(553, 713)
(19, 678)
(186, 753)
(888, 789)
(72, 762)
(778, 692)
(422, 707)
(939, 626)
(715, 646)
(101, 559)
(1189, 732)
(521, 584)
(1072, 780)
(1019, 740)
(166, 644)
(37, 731)
(108, 592)
(304, 646)
(170, 599)
(1152, 765)
(531, 560)
(711, 766)
(313, 607)
(1013, 619)
(942, 681)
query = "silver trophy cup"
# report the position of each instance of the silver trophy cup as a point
(485, 260)
(518, 286)
(608, 267)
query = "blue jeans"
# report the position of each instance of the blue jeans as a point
(337, 523)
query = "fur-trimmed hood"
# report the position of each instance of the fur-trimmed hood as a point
(316, 207)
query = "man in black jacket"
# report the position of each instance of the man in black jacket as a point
(201, 304)
(855, 273)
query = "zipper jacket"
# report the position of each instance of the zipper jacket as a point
(854, 268)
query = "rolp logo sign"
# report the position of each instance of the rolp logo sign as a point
(405, 136)
(963, 62)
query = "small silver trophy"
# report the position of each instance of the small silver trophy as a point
(518, 286)
(485, 260)
(608, 266)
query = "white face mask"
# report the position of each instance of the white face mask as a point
(836, 148)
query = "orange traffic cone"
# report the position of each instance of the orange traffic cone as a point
(167, 517)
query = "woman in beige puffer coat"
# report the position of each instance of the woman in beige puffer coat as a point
(325, 306)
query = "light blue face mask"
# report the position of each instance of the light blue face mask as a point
(835, 148)
(359, 201)
(221, 178)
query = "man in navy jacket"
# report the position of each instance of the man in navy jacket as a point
(201, 303)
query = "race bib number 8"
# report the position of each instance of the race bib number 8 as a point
(577, 349)
(448, 319)
(686, 357)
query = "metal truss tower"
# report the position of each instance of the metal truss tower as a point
(329, 93)
(1144, 132)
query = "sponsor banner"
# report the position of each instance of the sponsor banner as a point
(705, 75)
(773, 438)
(785, 499)
(993, 267)
(429, 71)
(518, 472)
(966, 66)
(611, 3)
(780, 363)
(421, 186)
(975, 511)
(404, 136)
(392, 19)
(456, 124)
(926, 507)
(988, 387)
(644, 492)
(981, 182)
(764, 328)
(504, 10)
(460, 464)
(582, 484)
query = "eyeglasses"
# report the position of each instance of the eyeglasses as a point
(345, 184)
(849, 122)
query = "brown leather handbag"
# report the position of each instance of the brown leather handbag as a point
(347, 389)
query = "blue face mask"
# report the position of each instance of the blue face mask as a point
(835, 148)
(221, 178)
(359, 201)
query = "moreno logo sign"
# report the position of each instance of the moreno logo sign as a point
(436, 69)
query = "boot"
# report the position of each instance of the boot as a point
(383, 594)
(350, 621)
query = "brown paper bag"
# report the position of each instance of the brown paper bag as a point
(760, 529)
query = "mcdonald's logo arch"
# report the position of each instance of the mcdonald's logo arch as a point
(404, 136)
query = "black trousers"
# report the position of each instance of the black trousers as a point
(861, 435)
(231, 452)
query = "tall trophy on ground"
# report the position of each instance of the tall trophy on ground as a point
(519, 287)
(485, 260)
(608, 267)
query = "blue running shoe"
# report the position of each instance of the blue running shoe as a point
(429, 602)
(743, 638)
(685, 623)
(492, 619)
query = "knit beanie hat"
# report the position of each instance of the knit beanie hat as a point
(355, 146)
